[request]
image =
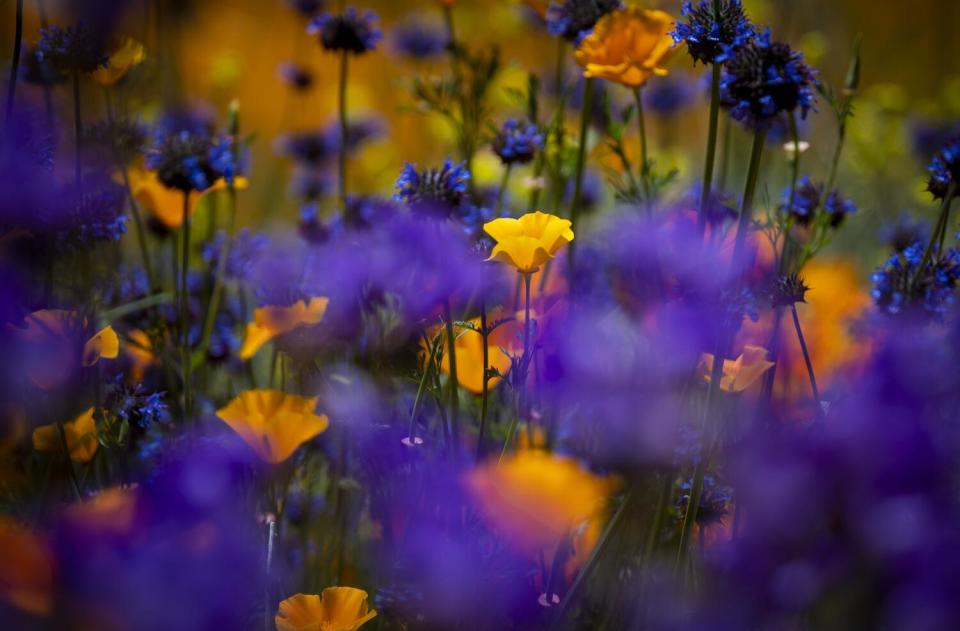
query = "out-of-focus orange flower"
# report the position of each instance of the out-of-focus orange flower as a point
(166, 204)
(627, 46)
(337, 609)
(272, 321)
(538, 499)
(502, 342)
(26, 569)
(273, 423)
(140, 352)
(740, 374)
(52, 336)
(110, 510)
(125, 53)
(528, 242)
(81, 434)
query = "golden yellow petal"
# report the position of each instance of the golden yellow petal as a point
(301, 611)
(273, 423)
(345, 608)
(104, 345)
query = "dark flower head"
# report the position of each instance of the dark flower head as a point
(349, 31)
(135, 405)
(789, 289)
(296, 76)
(517, 143)
(711, 37)
(418, 39)
(926, 136)
(573, 19)
(92, 214)
(903, 232)
(714, 500)
(838, 207)
(806, 198)
(762, 79)
(444, 186)
(183, 162)
(39, 70)
(895, 290)
(944, 170)
(309, 185)
(72, 49)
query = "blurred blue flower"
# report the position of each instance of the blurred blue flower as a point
(517, 143)
(348, 31)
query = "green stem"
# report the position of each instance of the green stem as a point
(644, 161)
(215, 295)
(454, 381)
(943, 220)
(132, 307)
(711, 155)
(15, 60)
(434, 346)
(66, 451)
(663, 501)
(504, 181)
(184, 306)
(806, 359)
(344, 130)
(586, 106)
(485, 384)
(749, 189)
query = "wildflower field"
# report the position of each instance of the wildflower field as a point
(479, 314)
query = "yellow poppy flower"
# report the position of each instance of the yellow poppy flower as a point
(166, 204)
(272, 321)
(126, 53)
(627, 46)
(140, 352)
(26, 569)
(337, 609)
(536, 498)
(81, 434)
(273, 423)
(530, 241)
(52, 332)
(740, 374)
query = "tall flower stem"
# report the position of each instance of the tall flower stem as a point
(344, 130)
(485, 384)
(184, 301)
(806, 359)
(723, 342)
(77, 129)
(527, 277)
(644, 160)
(711, 155)
(501, 192)
(454, 381)
(433, 347)
(62, 433)
(942, 221)
(586, 106)
(15, 60)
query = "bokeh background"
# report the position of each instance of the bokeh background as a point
(217, 51)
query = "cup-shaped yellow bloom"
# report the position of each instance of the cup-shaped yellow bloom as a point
(627, 46)
(536, 499)
(166, 204)
(337, 609)
(272, 321)
(273, 423)
(740, 374)
(530, 241)
(81, 434)
(125, 53)
(52, 336)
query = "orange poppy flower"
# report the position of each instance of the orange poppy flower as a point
(273, 423)
(337, 609)
(81, 434)
(627, 46)
(272, 321)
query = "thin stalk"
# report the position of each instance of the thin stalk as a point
(943, 220)
(66, 451)
(344, 130)
(591, 562)
(15, 61)
(184, 302)
(806, 359)
(644, 161)
(586, 106)
(711, 155)
(501, 192)
(526, 318)
(434, 347)
(215, 295)
(77, 129)
(454, 381)
(723, 341)
(485, 384)
(663, 501)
